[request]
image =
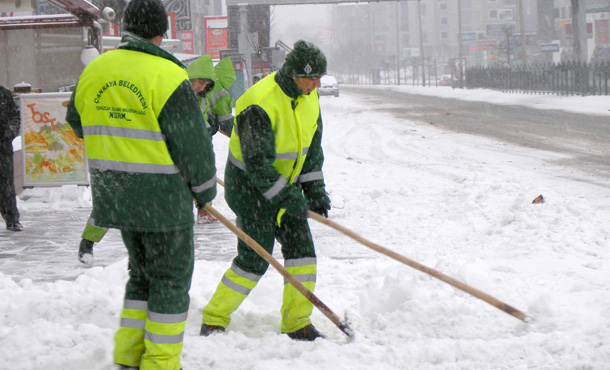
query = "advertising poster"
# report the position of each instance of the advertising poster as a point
(52, 154)
(188, 44)
(602, 35)
(216, 35)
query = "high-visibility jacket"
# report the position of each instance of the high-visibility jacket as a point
(145, 139)
(282, 129)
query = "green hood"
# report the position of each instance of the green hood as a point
(225, 74)
(202, 68)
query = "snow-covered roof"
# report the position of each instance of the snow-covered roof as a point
(35, 21)
(186, 58)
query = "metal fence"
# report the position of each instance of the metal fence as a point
(571, 78)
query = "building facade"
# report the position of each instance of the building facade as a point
(392, 35)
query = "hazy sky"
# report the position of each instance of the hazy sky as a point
(293, 22)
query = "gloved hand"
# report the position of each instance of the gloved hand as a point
(301, 213)
(200, 206)
(213, 122)
(321, 209)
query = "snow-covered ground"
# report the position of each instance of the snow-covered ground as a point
(457, 203)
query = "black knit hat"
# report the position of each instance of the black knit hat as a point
(305, 60)
(145, 18)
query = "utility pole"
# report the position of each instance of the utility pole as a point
(509, 35)
(461, 69)
(579, 30)
(522, 31)
(421, 45)
(397, 43)
(243, 38)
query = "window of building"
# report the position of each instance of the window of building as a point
(505, 14)
(444, 35)
(444, 20)
(493, 14)
(443, 6)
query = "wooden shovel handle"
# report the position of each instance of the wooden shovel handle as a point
(449, 280)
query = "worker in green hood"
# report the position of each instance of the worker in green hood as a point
(220, 112)
(202, 76)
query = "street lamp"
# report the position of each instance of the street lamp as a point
(460, 44)
(421, 45)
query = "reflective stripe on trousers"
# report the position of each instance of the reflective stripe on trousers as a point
(129, 339)
(234, 287)
(296, 308)
(147, 339)
(163, 337)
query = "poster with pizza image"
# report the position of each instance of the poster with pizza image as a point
(52, 154)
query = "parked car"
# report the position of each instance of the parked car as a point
(328, 86)
(445, 80)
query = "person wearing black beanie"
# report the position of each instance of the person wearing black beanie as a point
(273, 178)
(145, 18)
(305, 60)
(149, 156)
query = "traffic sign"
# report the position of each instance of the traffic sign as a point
(549, 48)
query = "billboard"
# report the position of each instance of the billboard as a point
(495, 30)
(549, 48)
(487, 44)
(52, 153)
(188, 44)
(216, 35)
(469, 36)
(602, 34)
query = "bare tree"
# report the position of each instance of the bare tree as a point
(357, 59)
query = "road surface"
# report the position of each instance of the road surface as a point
(585, 138)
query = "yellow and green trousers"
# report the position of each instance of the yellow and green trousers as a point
(156, 302)
(248, 267)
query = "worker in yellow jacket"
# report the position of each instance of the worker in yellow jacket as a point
(273, 177)
(149, 156)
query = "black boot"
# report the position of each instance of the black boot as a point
(210, 329)
(85, 251)
(308, 333)
(14, 226)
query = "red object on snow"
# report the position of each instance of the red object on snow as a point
(538, 199)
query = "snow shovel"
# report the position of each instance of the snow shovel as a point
(343, 326)
(449, 280)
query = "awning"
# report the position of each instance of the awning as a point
(186, 59)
